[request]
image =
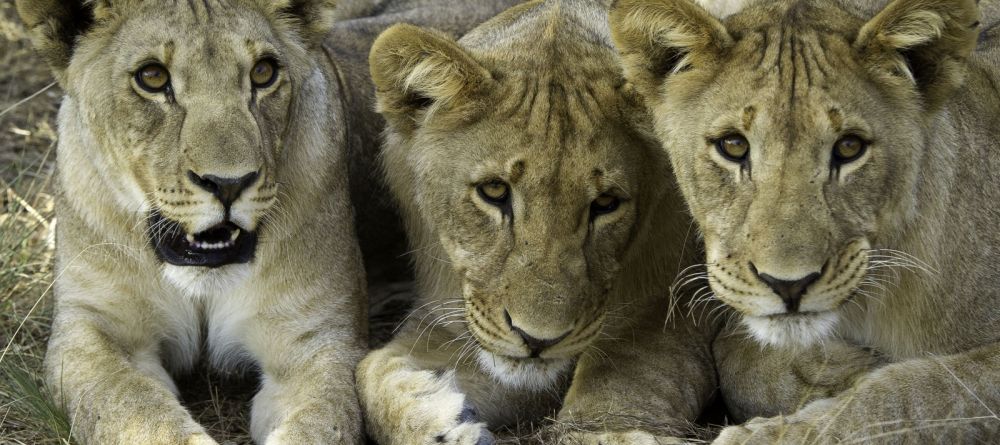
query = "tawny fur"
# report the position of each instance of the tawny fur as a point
(534, 98)
(126, 322)
(896, 342)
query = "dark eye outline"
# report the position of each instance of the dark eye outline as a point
(146, 87)
(502, 202)
(275, 68)
(839, 160)
(598, 210)
(720, 144)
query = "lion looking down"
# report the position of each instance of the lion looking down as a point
(842, 170)
(545, 237)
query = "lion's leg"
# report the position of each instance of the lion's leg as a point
(642, 384)
(411, 395)
(114, 396)
(308, 330)
(949, 399)
(307, 341)
(313, 404)
(761, 381)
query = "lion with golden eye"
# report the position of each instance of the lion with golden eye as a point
(840, 159)
(544, 235)
(204, 211)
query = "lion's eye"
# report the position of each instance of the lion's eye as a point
(849, 148)
(494, 192)
(733, 147)
(153, 78)
(264, 73)
(604, 204)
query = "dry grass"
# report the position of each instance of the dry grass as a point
(27, 138)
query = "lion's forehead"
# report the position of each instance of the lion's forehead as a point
(189, 13)
(555, 157)
(799, 59)
(205, 37)
(829, 17)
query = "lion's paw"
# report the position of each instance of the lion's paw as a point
(617, 438)
(431, 410)
(466, 434)
(450, 428)
(767, 431)
(200, 439)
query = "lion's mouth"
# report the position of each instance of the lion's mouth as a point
(222, 244)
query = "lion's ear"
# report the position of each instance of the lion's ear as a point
(927, 41)
(55, 26)
(414, 69)
(657, 38)
(315, 17)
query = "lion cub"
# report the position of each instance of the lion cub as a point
(545, 237)
(203, 206)
(843, 169)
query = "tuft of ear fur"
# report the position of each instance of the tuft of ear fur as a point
(55, 26)
(657, 38)
(418, 70)
(926, 41)
(315, 17)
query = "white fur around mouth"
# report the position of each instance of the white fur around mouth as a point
(530, 374)
(792, 330)
(219, 245)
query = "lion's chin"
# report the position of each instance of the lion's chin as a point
(532, 374)
(792, 330)
(206, 282)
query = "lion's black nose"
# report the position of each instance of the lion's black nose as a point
(227, 190)
(790, 291)
(534, 344)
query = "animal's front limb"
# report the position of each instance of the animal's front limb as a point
(115, 394)
(307, 394)
(643, 383)
(307, 333)
(411, 394)
(763, 381)
(950, 399)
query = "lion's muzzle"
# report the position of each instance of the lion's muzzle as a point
(534, 344)
(221, 244)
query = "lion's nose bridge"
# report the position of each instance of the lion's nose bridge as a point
(221, 140)
(540, 310)
(788, 238)
(550, 288)
(551, 248)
